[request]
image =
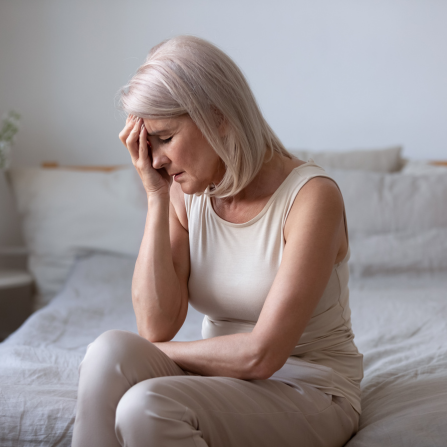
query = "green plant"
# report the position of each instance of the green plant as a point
(10, 126)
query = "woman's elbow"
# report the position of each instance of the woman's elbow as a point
(260, 374)
(262, 367)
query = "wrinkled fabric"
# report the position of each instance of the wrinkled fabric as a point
(400, 324)
(132, 394)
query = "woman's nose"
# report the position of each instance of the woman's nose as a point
(159, 160)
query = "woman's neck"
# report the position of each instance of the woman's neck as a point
(257, 193)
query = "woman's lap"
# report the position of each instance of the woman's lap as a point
(223, 411)
(169, 407)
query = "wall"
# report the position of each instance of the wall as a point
(327, 74)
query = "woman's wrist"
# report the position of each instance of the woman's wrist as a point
(158, 199)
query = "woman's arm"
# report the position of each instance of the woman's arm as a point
(159, 285)
(315, 238)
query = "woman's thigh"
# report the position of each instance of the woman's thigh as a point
(196, 411)
(114, 362)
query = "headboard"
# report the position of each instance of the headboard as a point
(55, 165)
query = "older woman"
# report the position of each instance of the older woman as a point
(253, 238)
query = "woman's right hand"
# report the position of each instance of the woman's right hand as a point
(134, 137)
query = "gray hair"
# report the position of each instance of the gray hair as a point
(188, 75)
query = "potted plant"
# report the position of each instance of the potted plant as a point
(10, 126)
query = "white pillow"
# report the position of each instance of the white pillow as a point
(379, 160)
(389, 203)
(397, 222)
(394, 219)
(68, 213)
(402, 252)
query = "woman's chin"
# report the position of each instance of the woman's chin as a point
(191, 188)
(186, 188)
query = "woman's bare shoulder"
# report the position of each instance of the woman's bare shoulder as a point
(318, 202)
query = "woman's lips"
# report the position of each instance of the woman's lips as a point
(176, 176)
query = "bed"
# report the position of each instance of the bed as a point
(398, 298)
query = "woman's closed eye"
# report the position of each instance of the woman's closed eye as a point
(167, 140)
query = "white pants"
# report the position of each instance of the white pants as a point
(132, 394)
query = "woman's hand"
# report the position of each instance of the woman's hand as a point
(134, 137)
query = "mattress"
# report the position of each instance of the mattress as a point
(400, 325)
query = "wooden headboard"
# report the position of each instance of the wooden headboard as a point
(55, 165)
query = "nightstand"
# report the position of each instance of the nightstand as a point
(16, 300)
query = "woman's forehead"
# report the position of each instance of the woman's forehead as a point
(159, 126)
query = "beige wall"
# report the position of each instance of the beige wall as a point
(327, 74)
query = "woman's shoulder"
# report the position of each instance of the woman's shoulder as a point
(292, 163)
(309, 170)
(318, 200)
(299, 173)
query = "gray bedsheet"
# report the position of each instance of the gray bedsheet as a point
(400, 326)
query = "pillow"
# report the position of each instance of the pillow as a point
(400, 252)
(66, 214)
(390, 203)
(379, 160)
(397, 222)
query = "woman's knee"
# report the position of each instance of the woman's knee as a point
(114, 347)
(150, 408)
(114, 339)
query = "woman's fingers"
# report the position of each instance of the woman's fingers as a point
(132, 141)
(143, 153)
(124, 134)
(134, 137)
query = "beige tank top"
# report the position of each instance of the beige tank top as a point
(232, 270)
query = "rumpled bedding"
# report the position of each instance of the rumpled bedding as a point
(400, 323)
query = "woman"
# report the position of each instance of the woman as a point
(252, 237)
